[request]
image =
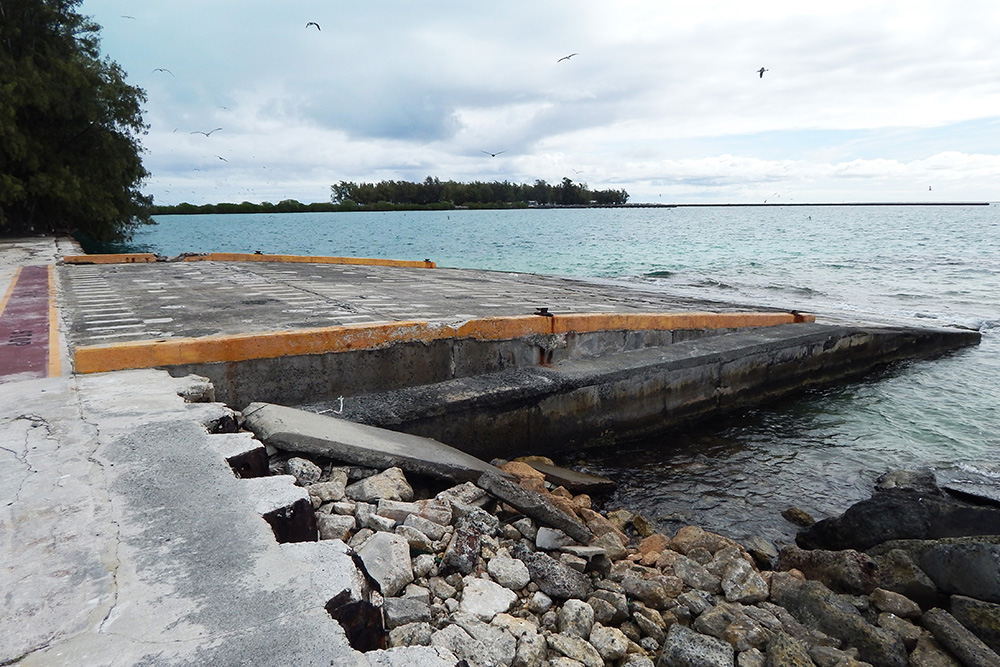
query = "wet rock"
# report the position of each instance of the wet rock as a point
(509, 572)
(389, 484)
(387, 558)
(982, 618)
(552, 577)
(575, 618)
(846, 571)
(335, 526)
(305, 471)
(403, 611)
(899, 515)
(611, 643)
(798, 517)
(686, 648)
(928, 653)
(575, 648)
(894, 603)
(817, 607)
(692, 537)
(785, 651)
(485, 599)
(963, 644)
(967, 567)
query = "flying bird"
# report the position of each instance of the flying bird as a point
(762, 70)
(207, 134)
(126, 16)
(222, 158)
(163, 69)
(494, 154)
(315, 24)
(567, 57)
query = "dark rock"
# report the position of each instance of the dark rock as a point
(846, 571)
(535, 506)
(968, 567)
(463, 548)
(982, 618)
(967, 647)
(762, 551)
(899, 515)
(552, 577)
(922, 482)
(929, 653)
(798, 517)
(899, 573)
(817, 607)
(403, 611)
(784, 650)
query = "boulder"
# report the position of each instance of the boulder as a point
(963, 644)
(845, 571)
(387, 558)
(485, 599)
(966, 567)
(898, 572)
(552, 577)
(982, 618)
(894, 603)
(817, 607)
(686, 648)
(389, 484)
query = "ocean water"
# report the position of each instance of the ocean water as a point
(925, 265)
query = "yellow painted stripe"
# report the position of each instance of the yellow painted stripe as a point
(308, 259)
(10, 289)
(55, 367)
(268, 345)
(125, 258)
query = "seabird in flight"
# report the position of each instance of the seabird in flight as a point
(762, 70)
(207, 134)
(494, 154)
(315, 24)
(567, 57)
(163, 69)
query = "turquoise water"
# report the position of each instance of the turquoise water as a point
(934, 266)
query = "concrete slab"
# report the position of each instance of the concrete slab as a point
(301, 431)
(128, 540)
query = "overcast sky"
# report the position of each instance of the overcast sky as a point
(861, 101)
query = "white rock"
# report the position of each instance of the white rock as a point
(539, 603)
(509, 572)
(550, 539)
(459, 642)
(331, 490)
(434, 531)
(423, 564)
(335, 526)
(435, 511)
(485, 599)
(412, 656)
(387, 558)
(576, 618)
(575, 649)
(500, 645)
(741, 583)
(611, 643)
(418, 541)
(390, 484)
(517, 627)
(531, 651)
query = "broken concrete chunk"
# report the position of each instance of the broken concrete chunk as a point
(534, 505)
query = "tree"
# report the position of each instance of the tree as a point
(70, 155)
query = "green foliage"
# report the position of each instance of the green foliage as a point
(387, 195)
(69, 127)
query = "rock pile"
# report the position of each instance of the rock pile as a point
(510, 571)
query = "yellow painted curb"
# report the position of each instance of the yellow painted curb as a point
(55, 366)
(306, 259)
(126, 258)
(269, 345)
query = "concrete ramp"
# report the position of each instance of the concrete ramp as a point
(300, 431)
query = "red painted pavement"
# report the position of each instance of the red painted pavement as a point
(24, 327)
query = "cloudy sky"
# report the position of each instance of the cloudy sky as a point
(866, 100)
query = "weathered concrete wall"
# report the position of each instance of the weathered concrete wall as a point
(309, 378)
(585, 402)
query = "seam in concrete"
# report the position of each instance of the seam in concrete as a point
(125, 258)
(269, 345)
(145, 257)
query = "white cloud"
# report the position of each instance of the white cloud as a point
(862, 100)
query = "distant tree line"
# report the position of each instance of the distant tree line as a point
(433, 192)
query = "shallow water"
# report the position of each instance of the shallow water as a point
(923, 265)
